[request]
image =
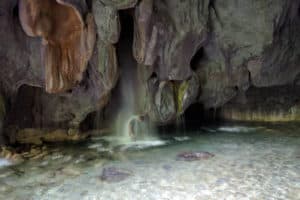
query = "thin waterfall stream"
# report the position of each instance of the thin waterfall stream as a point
(130, 127)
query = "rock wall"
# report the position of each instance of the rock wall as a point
(220, 48)
(210, 52)
(266, 104)
(2, 116)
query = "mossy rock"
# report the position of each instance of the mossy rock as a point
(186, 93)
(181, 91)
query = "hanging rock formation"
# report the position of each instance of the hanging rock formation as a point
(168, 34)
(25, 75)
(68, 39)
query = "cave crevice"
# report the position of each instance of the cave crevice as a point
(196, 59)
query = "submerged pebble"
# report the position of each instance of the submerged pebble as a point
(221, 181)
(167, 167)
(112, 174)
(193, 156)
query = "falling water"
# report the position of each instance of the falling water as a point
(130, 126)
(180, 125)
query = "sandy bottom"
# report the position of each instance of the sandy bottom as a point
(249, 163)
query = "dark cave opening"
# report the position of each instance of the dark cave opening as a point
(197, 115)
(199, 55)
(20, 111)
(29, 108)
(16, 11)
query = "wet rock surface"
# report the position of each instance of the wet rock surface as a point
(194, 156)
(23, 153)
(39, 136)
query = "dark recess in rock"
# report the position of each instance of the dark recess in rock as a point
(197, 58)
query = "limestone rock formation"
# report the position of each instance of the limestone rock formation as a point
(237, 54)
(229, 48)
(273, 104)
(168, 34)
(25, 75)
(210, 52)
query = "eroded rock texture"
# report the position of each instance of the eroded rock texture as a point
(22, 72)
(241, 43)
(168, 34)
(266, 104)
(208, 52)
(229, 45)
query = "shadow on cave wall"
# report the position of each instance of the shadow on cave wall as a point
(194, 117)
(27, 110)
(196, 59)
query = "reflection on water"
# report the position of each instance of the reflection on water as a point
(4, 162)
(250, 162)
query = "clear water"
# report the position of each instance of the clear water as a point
(251, 162)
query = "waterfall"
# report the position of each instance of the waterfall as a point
(130, 125)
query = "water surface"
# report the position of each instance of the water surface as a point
(250, 162)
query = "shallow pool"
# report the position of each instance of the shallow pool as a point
(250, 162)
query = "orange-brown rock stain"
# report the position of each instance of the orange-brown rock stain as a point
(68, 40)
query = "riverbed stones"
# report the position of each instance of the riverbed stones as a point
(11, 155)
